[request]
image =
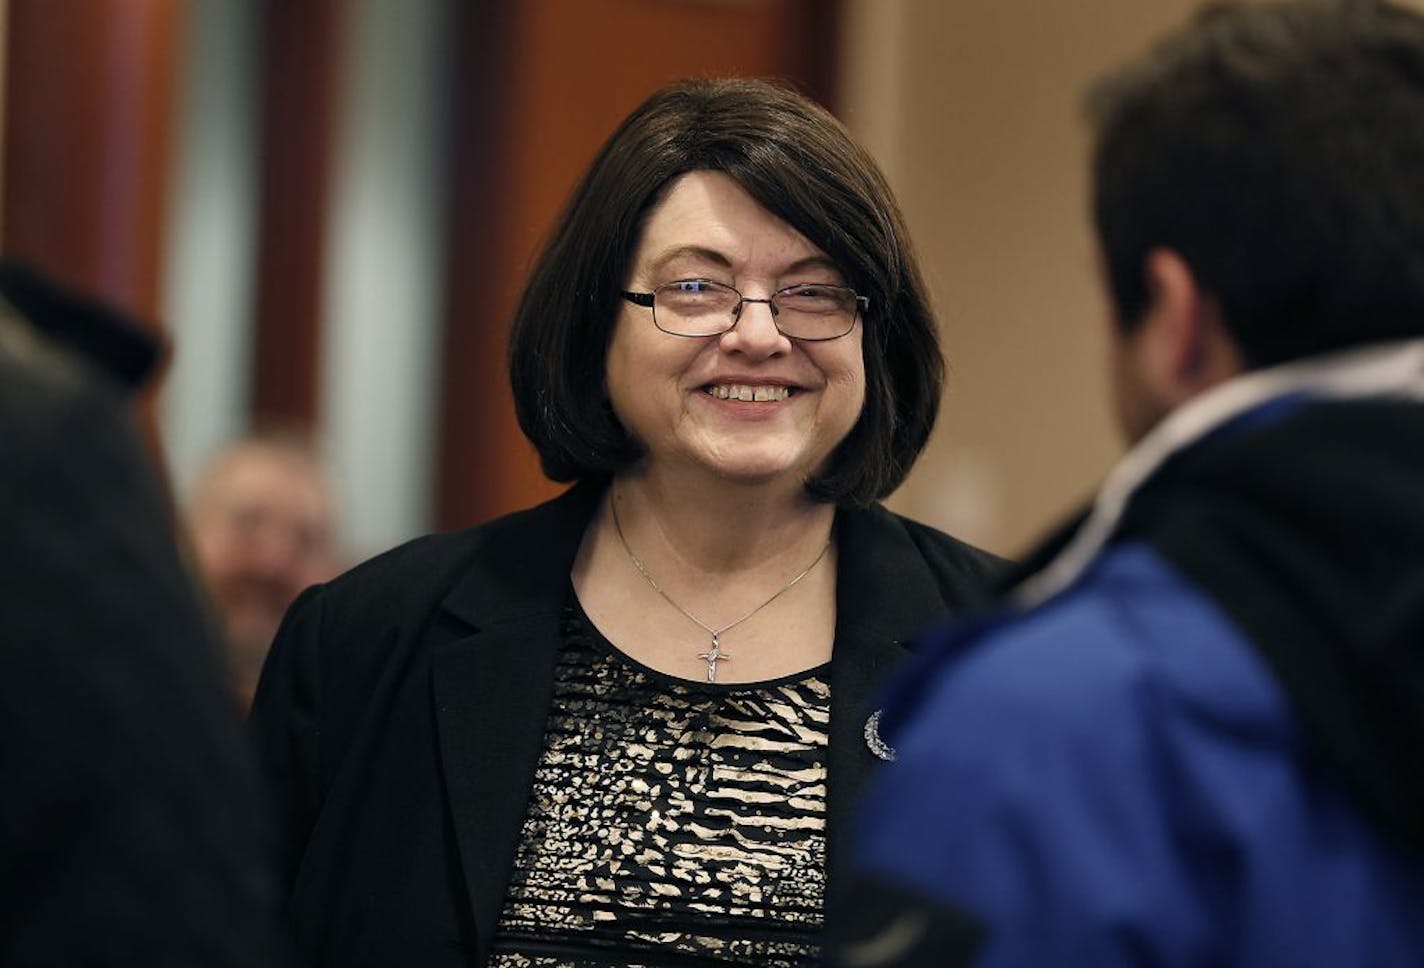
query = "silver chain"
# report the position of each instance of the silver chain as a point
(715, 655)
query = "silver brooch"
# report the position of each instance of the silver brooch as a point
(877, 745)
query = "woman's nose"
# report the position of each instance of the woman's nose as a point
(755, 333)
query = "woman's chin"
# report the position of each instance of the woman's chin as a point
(769, 472)
(765, 463)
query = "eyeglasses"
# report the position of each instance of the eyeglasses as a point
(700, 307)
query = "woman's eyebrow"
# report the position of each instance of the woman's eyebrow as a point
(689, 251)
(811, 262)
(712, 255)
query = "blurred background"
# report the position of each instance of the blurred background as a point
(327, 208)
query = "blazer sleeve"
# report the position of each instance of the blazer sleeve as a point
(285, 726)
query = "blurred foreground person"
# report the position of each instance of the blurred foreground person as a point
(263, 524)
(1193, 734)
(624, 727)
(129, 817)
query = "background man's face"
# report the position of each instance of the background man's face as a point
(261, 526)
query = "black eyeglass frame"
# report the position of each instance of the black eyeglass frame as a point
(647, 299)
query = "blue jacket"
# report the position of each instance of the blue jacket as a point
(1202, 748)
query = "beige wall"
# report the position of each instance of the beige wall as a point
(973, 108)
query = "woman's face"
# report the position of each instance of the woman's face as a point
(679, 396)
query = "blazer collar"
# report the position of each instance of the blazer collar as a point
(884, 585)
(521, 565)
(492, 684)
(522, 568)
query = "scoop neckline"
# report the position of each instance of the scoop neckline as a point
(609, 647)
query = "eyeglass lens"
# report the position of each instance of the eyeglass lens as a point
(696, 307)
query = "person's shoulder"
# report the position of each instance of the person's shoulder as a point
(46, 393)
(1094, 739)
(1014, 737)
(1038, 714)
(954, 560)
(346, 630)
(947, 547)
(1134, 646)
(426, 566)
(412, 563)
(1054, 675)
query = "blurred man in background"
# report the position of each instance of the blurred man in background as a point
(131, 826)
(1193, 734)
(263, 524)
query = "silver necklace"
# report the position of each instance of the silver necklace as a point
(715, 653)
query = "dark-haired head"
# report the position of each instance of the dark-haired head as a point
(1279, 149)
(798, 163)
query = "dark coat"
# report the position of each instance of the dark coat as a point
(401, 715)
(129, 806)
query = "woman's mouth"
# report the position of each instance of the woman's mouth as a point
(748, 393)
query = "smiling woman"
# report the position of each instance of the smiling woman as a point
(624, 727)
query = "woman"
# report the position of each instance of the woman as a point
(624, 727)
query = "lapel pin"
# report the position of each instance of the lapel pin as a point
(877, 745)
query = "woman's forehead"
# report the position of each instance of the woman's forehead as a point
(706, 218)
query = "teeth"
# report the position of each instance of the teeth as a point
(749, 394)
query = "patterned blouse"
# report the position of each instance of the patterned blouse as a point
(671, 822)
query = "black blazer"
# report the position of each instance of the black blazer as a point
(401, 715)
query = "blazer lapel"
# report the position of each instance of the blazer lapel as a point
(861, 658)
(492, 693)
(886, 593)
(492, 687)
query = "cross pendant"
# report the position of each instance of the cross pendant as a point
(713, 657)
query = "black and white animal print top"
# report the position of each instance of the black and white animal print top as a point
(671, 822)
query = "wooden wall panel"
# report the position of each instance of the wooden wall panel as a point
(541, 84)
(301, 45)
(88, 117)
(87, 136)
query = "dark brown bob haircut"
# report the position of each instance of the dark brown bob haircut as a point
(799, 163)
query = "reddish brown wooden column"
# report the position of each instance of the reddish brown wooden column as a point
(297, 104)
(474, 416)
(87, 145)
(87, 121)
(541, 83)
